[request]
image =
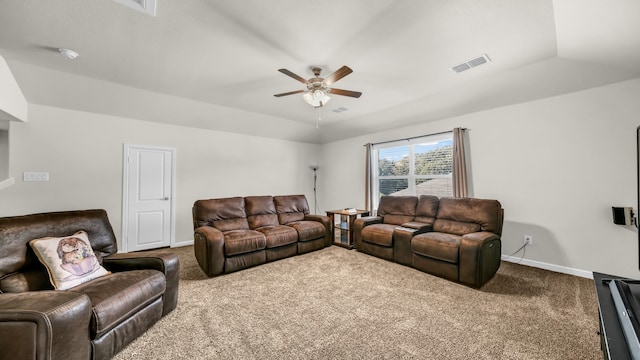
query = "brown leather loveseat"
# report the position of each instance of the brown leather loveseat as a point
(454, 238)
(93, 320)
(232, 234)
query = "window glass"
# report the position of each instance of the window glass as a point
(421, 166)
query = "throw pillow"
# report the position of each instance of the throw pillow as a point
(69, 260)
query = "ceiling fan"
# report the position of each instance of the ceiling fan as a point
(318, 89)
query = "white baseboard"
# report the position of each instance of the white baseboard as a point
(550, 267)
(182, 243)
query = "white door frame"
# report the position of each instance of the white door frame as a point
(125, 193)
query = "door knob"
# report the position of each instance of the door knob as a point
(166, 198)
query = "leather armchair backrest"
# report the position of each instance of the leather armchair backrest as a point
(466, 215)
(397, 210)
(20, 268)
(224, 214)
(427, 209)
(261, 211)
(291, 208)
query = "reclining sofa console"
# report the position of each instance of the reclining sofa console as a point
(454, 238)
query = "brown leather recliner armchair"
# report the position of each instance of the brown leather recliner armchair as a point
(93, 320)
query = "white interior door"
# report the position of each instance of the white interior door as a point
(148, 197)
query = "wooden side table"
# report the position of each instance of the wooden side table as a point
(343, 226)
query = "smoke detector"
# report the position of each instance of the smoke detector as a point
(68, 53)
(477, 61)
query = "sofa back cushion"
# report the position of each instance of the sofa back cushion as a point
(427, 209)
(224, 214)
(397, 210)
(466, 215)
(20, 269)
(291, 208)
(261, 211)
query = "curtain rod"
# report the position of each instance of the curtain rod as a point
(415, 137)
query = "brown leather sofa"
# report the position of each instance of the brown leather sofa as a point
(454, 238)
(93, 320)
(232, 234)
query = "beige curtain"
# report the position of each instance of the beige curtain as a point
(459, 165)
(368, 203)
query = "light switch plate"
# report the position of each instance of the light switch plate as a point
(35, 176)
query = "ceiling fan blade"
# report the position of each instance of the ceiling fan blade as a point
(289, 73)
(355, 94)
(289, 93)
(337, 75)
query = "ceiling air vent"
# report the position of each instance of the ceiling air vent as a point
(483, 59)
(146, 6)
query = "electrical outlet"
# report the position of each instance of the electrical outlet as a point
(528, 240)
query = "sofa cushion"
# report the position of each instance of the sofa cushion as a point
(279, 235)
(291, 208)
(224, 214)
(455, 227)
(16, 255)
(243, 241)
(379, 234)
(30, 280)
(484, 212)
(427, 209)
(308, 230)
(117, 296)
(436, 245)
(69, 260)
(261, 211)
(397, 210)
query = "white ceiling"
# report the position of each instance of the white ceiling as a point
(213, 64)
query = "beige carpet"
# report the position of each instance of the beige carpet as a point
(342, 304)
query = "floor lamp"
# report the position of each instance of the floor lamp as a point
(315, 178)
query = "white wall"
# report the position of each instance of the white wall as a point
(4, 154)
(83, 154)
(13, 105)
(557, 166)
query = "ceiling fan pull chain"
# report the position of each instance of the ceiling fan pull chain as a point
(319, 116)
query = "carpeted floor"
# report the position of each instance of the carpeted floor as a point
(342, 304)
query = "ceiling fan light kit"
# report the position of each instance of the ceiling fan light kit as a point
(316, 98)
(318, 89)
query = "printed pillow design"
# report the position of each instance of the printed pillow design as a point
(69, 260)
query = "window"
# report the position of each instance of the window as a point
(419, 166)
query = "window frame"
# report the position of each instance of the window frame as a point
(411, 176)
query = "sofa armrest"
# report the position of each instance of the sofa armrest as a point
(419, 227)
(161, 260)
(359, 224)
(208, 245)
(479, 257)
(45, 325)
(327, 225)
